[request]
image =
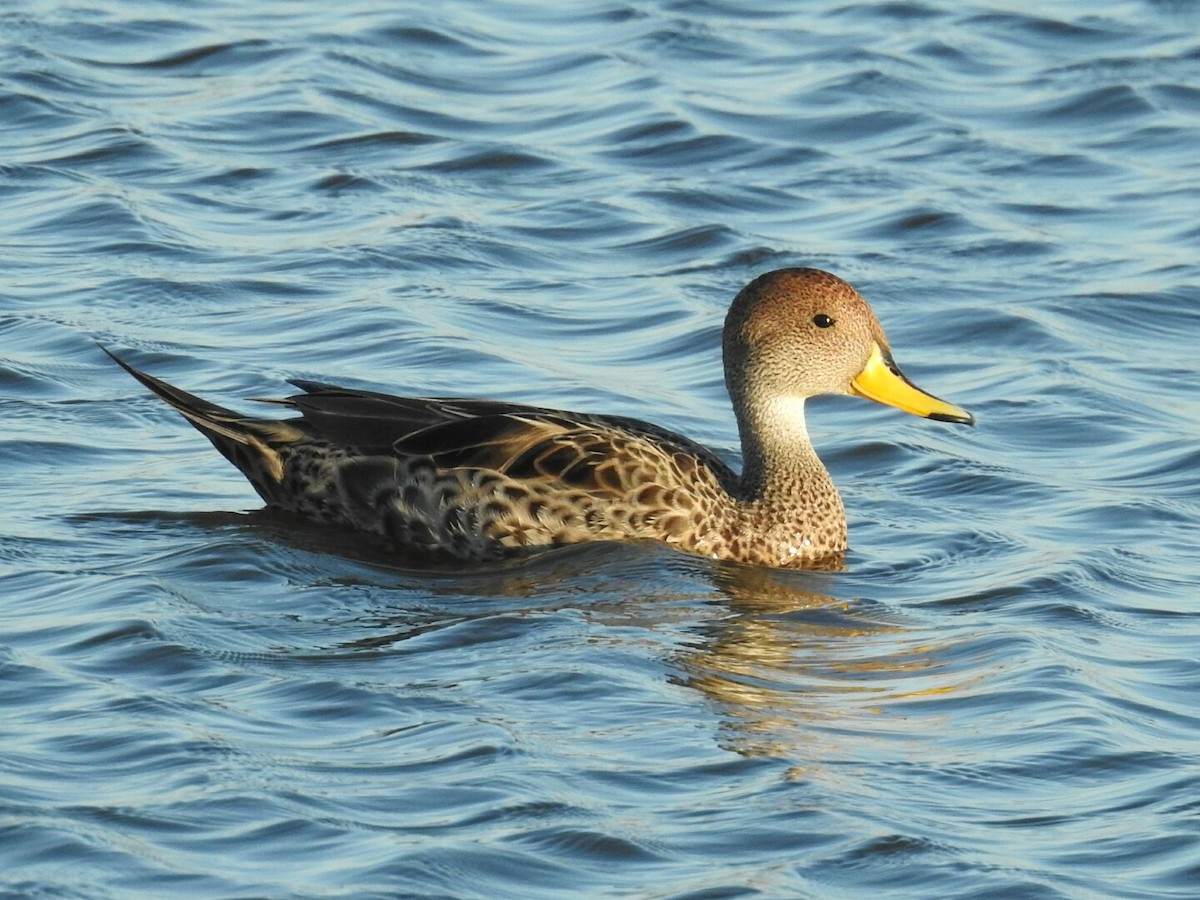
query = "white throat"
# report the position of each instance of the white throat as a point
(788, 413)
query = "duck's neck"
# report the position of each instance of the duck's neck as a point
(785, 488)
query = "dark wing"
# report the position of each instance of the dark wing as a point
(606, 454)
(374, 422)
(595, 454)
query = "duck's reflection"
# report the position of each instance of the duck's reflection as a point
(781, 664)
(776, 654)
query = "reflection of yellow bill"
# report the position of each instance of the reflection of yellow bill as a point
(881, 381)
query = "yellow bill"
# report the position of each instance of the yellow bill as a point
(881, 381)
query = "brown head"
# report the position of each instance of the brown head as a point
(795, 333)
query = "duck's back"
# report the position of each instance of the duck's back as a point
(479, 479)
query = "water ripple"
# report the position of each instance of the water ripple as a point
(555, 205)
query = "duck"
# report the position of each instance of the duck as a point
(479, 480)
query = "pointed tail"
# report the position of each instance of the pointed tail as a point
(250, 444)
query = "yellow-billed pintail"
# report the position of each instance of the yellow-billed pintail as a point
(483, 479)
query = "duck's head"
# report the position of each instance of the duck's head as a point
(794, 333)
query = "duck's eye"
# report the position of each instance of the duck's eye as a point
(822, 321)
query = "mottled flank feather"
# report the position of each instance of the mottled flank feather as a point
(478, 480)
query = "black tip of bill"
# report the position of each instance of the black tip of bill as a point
(963, 418)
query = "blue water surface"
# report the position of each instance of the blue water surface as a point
(554, 203)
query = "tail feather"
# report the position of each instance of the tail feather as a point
(228, 431)
(204, 415)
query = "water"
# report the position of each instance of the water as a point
(996, 698)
